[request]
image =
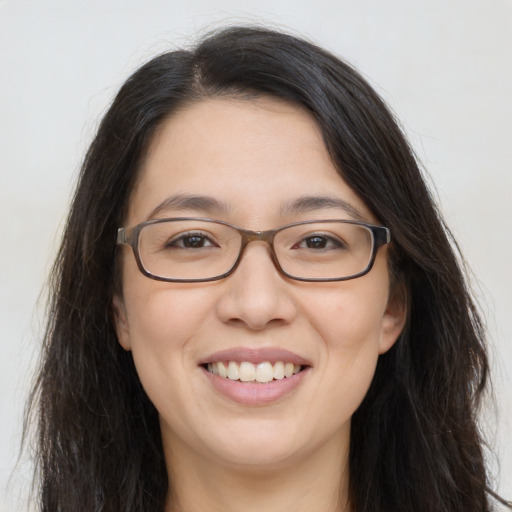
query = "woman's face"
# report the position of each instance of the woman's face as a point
(253, 159)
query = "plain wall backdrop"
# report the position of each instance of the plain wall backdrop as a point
(444, 67)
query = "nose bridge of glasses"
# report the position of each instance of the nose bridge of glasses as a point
(267, 237)
(249, 236)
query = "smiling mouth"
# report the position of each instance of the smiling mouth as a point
(245, 371)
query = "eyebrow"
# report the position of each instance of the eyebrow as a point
(306, 204)
(212, 206)
(205, 204)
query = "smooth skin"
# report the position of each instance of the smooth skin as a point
(255, 157)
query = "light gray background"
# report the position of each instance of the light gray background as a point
(444, 66)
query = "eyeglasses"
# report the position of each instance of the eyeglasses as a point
(191, 250)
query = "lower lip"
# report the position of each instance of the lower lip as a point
(249, 393)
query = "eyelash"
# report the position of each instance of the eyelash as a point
(334, 242)
(178, 241)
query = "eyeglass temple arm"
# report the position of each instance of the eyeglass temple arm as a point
(382, 235)
(122, 237)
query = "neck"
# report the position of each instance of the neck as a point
(316, 483)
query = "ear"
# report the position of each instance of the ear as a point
(395, 317)
(121, 322)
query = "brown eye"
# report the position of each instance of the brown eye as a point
(318, 242)
(190, 241)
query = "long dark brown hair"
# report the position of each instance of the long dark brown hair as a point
(415, 441)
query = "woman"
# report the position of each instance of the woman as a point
(256, 304)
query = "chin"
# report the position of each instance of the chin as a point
(265, 447)
(253, 459)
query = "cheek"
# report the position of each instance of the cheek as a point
(163, 313)
(163, 323)
(348, 317)
(349, 324)
(352, 352)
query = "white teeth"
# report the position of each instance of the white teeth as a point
(279, 370)
(264, 372)
(248, 372)
(233, 371)
(223, 372)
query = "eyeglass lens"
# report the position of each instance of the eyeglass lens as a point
(198, 249)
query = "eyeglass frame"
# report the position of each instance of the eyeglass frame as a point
(381, 236)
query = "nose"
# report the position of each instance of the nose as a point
(256, 294)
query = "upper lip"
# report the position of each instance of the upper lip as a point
(255, 356)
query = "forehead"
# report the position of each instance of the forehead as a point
(253, 156)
